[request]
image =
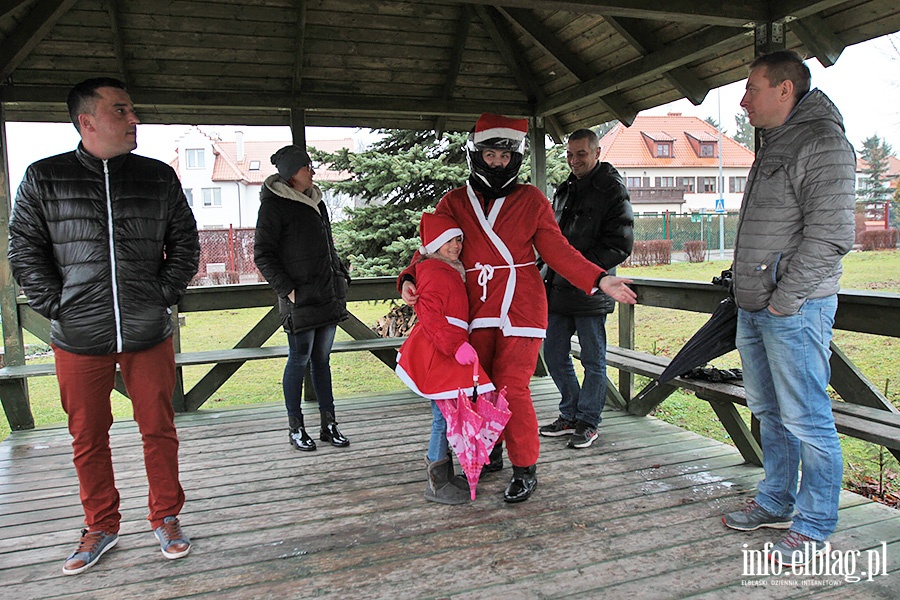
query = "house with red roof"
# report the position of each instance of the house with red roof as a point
(222, 180)
(671, 163)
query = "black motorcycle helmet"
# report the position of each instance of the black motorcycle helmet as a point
(496, 132)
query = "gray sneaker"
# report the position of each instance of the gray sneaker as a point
(92, 546)
(584, 436)
(558, 428)
(753, 516)
(172, 540)
(797, 550)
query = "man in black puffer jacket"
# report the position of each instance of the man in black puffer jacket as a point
(103, 242)
(594, 213)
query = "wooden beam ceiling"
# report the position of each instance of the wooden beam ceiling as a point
(674, 54)
(114, 26)
(31, 31)
(552, 45)
(731, 13)
(512, 56)
(641, 38)
(818, 38)
(456, 54)
(299, 45)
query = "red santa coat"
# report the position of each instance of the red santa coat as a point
(504, 286)
(426, 360)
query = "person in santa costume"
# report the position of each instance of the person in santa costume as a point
(435, 361)
(504, 222)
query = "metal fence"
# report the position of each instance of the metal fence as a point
(709, 228)
(226, 256)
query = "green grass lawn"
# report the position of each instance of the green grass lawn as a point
(660, 331)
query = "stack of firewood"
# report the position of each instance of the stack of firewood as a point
(397, 323)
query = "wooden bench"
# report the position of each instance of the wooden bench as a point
(229, 355)
(872, 424)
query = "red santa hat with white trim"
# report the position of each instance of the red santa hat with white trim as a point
(490, 126)
(436, 230)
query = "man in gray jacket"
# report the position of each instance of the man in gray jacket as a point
(796, 224)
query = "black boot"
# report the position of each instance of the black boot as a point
(330, 431)
(521, 485)
(438, 487)
(496, 462)
(298, 436)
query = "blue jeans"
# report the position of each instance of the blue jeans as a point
(311, 347)
(438, 446)
(786, 373)
(579, 402)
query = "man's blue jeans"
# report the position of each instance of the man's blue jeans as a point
(579, 402)
(438, 446)
(786, 373)
(311, 347)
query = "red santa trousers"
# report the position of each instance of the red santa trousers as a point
(85, 384)
(509, 361)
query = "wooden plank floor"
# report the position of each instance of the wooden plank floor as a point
(637, 515)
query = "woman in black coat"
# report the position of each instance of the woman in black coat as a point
(295, 252)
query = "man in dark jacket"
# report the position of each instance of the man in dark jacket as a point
(103, 242)
(796, 224)
(594, 213)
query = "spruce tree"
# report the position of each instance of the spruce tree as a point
(745, 134)
(875, 152)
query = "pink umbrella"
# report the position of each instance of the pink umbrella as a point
(473, 427)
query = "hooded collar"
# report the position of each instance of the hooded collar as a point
(278, 186)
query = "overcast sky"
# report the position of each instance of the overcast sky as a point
(864, 84)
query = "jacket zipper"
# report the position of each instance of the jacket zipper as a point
(117, 315)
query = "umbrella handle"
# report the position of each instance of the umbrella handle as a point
(475, 379)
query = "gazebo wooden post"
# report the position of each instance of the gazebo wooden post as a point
(13, 392)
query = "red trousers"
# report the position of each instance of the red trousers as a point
(510, 362)
(85, 385)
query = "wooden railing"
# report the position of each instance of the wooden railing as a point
(866, 312)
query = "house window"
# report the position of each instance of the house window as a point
(212, 196)
(707, 150)
(633, 182)
(737, 184)
(687, 183)
(254, 165)
(663, 149)
(665, 182)
(195, 158)
(189, 194)
(708, 185)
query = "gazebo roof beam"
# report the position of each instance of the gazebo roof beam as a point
(113, 11)
(512, 56)
(819, 39)
(733, 13)
(332, 103)
(675, 54)
(459, 45)
(19, 44)
(552, 45)
(299, 46)
(639, 36)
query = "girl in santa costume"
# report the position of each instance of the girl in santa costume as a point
(504, 222)
(435, 360)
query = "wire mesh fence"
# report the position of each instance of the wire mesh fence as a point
(226, 256)
(661, 238)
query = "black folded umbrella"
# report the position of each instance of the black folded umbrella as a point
(715, 338)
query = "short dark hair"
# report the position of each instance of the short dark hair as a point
(586, 134)
(81, 97)
(783, 65)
